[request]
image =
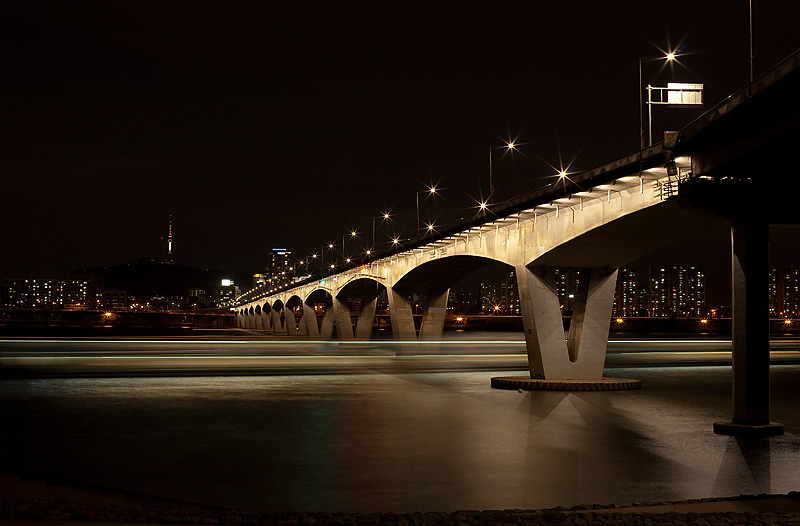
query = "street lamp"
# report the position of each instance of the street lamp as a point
(508, 146)
(353, 233)
(668, 57)
(384, 217)
(431, 191)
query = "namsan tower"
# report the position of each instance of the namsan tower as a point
(169, 242)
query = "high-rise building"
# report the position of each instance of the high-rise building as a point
(228, 292)
(643, 300)
(115, 300)
(677, 291)
(784, 292)
(490, 297)
(510, 294)
(68, 293)
(277, 265)
(625, 297)
(461, 302)
(567, 283)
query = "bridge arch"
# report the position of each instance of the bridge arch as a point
(444, 272)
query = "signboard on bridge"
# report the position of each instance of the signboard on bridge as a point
(684, 95)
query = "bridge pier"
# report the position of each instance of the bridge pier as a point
(750, 295)
(581, 356)
(328, 322)
(401, 316)
(309, 322)
(289, 321)
(366, 318)
(274, 321)
(434, 315)
(341, 315)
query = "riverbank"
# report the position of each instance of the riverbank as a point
(746, 509)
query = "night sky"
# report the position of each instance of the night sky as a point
(272, 124)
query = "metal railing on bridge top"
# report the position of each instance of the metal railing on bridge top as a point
(634, 164)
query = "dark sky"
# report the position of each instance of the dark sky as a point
(263, 124)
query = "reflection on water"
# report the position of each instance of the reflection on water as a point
(402, 442)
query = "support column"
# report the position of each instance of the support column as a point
(341, 315)
(326, 329)
(310, 319)
(434, 315)
(591, 318)
(289, 321)
(401, 315)
(275, 321)
(750, 302)
(366, 318)
(550, 355)
(239, 320)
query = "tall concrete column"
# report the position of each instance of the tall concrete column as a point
(541, 316)
(401, 316)
(591, 317)
(289, 321)
(366, 318)
(326, 327)
(434, 316)
(275, 321)
(341, 316)
(310, 321)
(750, 302)
(239, 320)
(550, 355)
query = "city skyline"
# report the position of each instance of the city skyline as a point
(110, 144)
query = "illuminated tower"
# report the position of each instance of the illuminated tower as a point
(169, 241)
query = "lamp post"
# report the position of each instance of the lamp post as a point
(353, 233)
(508, 146)
(431, 191)
(385, 217)
(668, 57)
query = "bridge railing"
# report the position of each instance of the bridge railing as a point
(633, 164)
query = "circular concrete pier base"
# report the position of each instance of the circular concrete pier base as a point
(527, 383)
(772, 429)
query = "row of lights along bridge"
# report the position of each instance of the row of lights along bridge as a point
(346, 260)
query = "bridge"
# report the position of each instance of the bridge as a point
(738, 164)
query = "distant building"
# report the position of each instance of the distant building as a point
(66, 293)
(784, 292)
(228, 293)
(625, 298)
(277, 266)
(567, 283)
(490, 297)
(642, 300)
(259, 280)
(510, 294)
(462, 302)
(677, 291)
(115, 300)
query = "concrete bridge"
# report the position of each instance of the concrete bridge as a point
(738, 163)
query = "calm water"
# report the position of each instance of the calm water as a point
(402, 442)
